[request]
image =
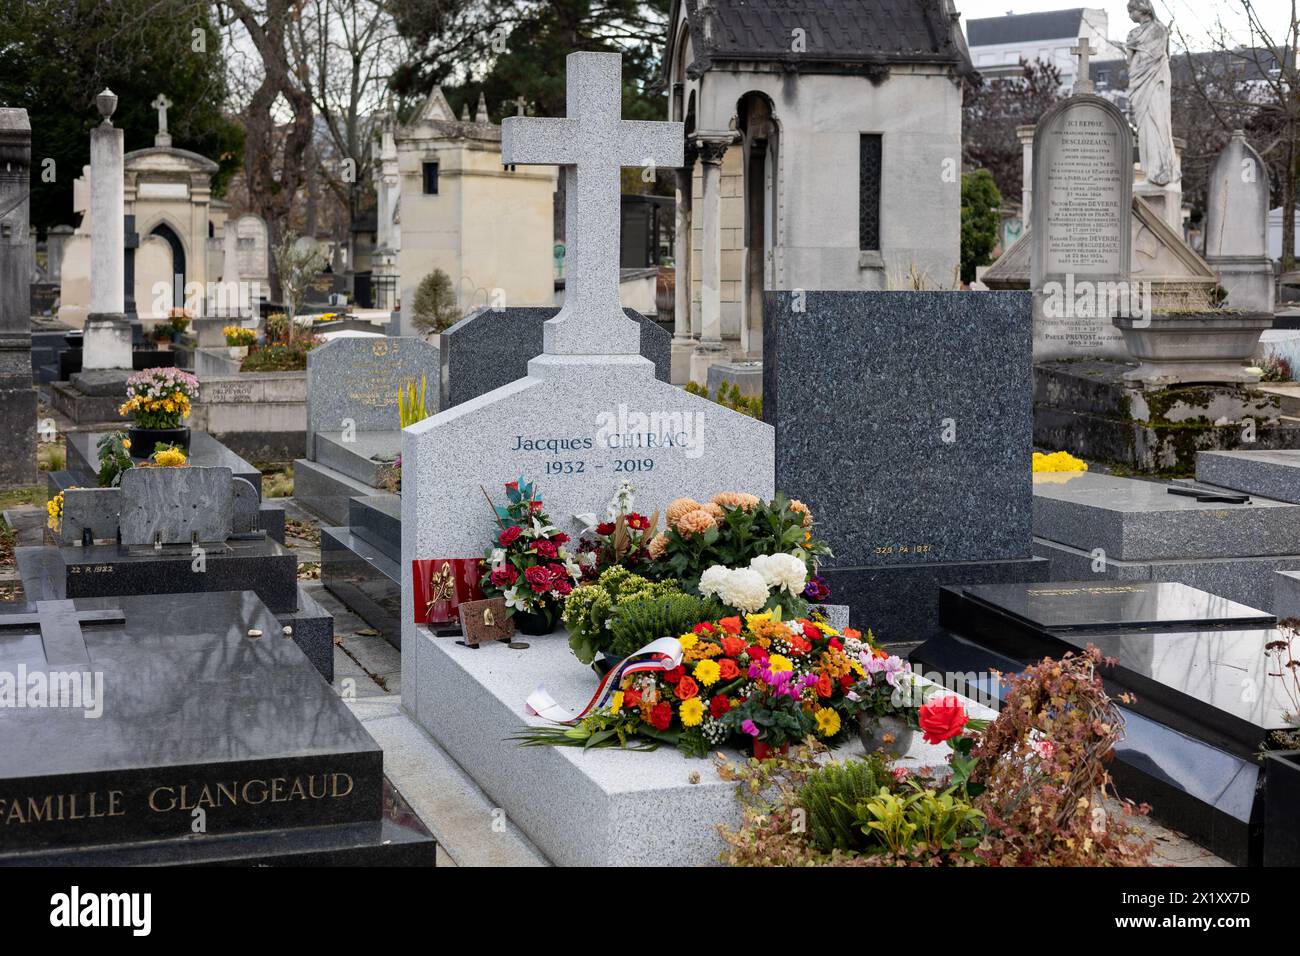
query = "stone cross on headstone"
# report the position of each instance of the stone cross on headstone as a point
(520, 104)
(161, 104)
(1084, 51)
(593, 143)
(60, 624)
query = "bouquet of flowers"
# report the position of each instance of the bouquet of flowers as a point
(159, 398)
(620, 540)
(758, 680)
(740, 549)
(529, 565)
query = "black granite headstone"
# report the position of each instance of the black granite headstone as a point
(210, 738)
(904, 421)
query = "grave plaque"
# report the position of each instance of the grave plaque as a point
(1083, 193)
(176, 505)
(356, 380)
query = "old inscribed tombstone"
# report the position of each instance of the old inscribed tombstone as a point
(1081, 239)
(1236, 226)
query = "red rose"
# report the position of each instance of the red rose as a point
(757, 652)
(704, 629)
(811, 632)
(798, 645)
(824, 686)
(545, 549)
(733, 646)
(631, 698)
(505, 576)
(605, 528)
(846, 681)
(562, 588)
(674, 675)
(727, 669)
(687, 688)
(719, 706)
(637, 522)
(942, 720)
(661, 715)
(510, 535)
(558, 571)
(560, 538)
(835, 643)
(535, 505)
(539, 579)
(512, 486)
(731, 625)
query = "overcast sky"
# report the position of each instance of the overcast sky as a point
(1196, 18)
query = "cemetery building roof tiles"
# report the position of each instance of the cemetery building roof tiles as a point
(837, 34)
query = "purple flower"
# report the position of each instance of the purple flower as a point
(816, 589)
(750, 728)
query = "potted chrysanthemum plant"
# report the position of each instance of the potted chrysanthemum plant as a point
(158, 401)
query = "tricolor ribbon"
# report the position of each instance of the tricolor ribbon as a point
(661, 655)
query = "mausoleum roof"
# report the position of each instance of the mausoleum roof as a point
(841, 35)
(183, 158)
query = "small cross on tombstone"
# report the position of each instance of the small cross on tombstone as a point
(161, 104)
(520, 103)
(1083, 81)
(593, 143)
(60, 624)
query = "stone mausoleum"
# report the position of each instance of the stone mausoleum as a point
(810, 134)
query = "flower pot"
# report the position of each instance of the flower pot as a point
(1193, 347)
(1282, 808)
(763, 750)
(144, 440)
(238, 351)
(890, 733)
(533, 623)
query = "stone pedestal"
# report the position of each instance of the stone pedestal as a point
(1248, 281)
(107, 342)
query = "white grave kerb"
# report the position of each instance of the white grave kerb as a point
(592, 143)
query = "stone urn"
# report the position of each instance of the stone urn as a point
(239, 352)
(891, 733)
(1211, 347)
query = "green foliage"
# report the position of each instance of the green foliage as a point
(277, 328)
(434, 309)
(643, 620)
(980, 221)
(58, 54)
(296, 263)
(291, 357)
(410, 404)
(915, 823)
(730, 396)
(828, 794)
(113, 458)
(592, 610)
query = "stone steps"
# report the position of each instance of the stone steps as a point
(362, 459)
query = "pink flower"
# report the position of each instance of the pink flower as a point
(750, 728)
(1044, 748)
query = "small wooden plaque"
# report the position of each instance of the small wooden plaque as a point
(485, 621)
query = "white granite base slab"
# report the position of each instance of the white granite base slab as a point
(604, 807)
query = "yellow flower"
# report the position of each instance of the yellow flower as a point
(825, 628)
(778, 664)
(753, 619)
(828, 721)
(691, 711)
(857, 668)
(707, 672)
(688, 641)
(616, 702)
(170, 458)
(126, 443)
(1057, 461)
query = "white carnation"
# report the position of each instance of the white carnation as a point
(744, 589)
(783, 571)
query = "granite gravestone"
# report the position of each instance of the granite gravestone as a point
(904, 421)
(190, 710)
(492, 347)
(1202, 704)
(1236, 226)
(1081, 235)
(176, 506)
(17, 397)
(352, 383)
(590, 412)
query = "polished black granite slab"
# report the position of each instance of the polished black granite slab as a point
(378, 520)
(195, 704)
(365, 578)
(106, 570)
(1202, 790)
(398, 838)
(1067, 606)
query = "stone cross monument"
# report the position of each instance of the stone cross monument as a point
(1083, 80)
(161, 104)
(17, 397)
(592, 143)
(107, 342)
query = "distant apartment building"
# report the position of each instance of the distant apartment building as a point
(998, 44)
